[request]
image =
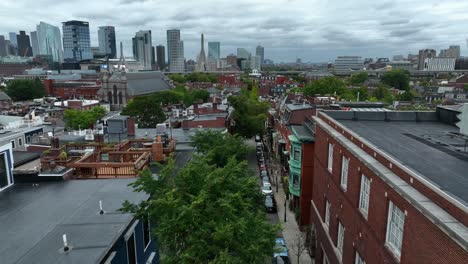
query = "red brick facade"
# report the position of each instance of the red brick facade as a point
(423, 241)
(72, 89)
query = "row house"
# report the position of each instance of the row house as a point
(381, 186)
(72, 89)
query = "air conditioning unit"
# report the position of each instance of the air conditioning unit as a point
(463, 124)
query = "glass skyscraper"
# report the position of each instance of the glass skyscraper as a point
(214, 51)
(106, 37)
(49, 41)
(76, 41)
(175, 51)
(143, 48)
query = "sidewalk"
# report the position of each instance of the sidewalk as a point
(290, 227)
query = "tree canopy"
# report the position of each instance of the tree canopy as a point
(147, 110)
(219, 147)
(358, 78)
(204, 213)
(397, 78)
(24, 90)
(249, 115)
(326, 86)
(83, 119)
(194, 77)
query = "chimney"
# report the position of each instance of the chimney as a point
(215, 106)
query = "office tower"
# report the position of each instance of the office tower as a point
(344, 65)
(214, 51)
(153, 55)
(201, 62)
(49, 41)
(161, 57)
(175, 51)
(260, 52)
(106, 38)
(34, 43)
(243, 54)
(3, 46)
(24, 44)
(452, 52)
(76, 41)
(255, 62)
(231, 60)
(143, 48)
(423, 55)
(13, 41)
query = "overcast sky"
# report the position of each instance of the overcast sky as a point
(313, 30)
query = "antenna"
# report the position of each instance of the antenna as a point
(65, 243)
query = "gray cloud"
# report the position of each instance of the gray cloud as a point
(311, 29)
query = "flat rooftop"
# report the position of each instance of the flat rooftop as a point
(430, 148)
(34, 218)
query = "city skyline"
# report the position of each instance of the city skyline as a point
(287, 29)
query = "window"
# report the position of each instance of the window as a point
(364, 195)
(4, 175)
(131, 252)
(297, 154)
(396, 221)
(20, 142)
(340, 239)
(12, 144)
(344, 172)
(327, 213)
(330, 157)
(146, 232)
(295, 180)
(359, 260)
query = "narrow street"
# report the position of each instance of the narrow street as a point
(289, 228)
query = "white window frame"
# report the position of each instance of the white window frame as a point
(327, 213)
(330, 157)
(359, 259)
(149, 232)
(340, 239)
(344, 172)
(364, 195)
(395, 229)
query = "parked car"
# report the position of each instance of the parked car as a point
(281, 254)
(266, 189)
(262, 166)
(270, 204)
(265, 180)
(259, 146)
(259, 153)
(263, 173)
(257, 138)
(261, 160)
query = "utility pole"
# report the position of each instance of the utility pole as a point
(285, 208)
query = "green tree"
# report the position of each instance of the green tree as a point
(406, 96)
(206, 214)
(147, 110)
(24, 90)
(397, 78)
(219, 147)
(363, 93)
(79, 119)
(200, 94)
(383, 94)
(465, 87)
(249, 115)
(326, 86)
(359, 78)
(178, 78)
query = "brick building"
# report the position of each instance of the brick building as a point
(387, 187)
(72, 89)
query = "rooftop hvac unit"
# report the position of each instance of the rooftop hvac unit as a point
(184, 113)
(463, 124)
(161, 128)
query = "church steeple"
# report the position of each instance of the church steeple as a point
(122, 65)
